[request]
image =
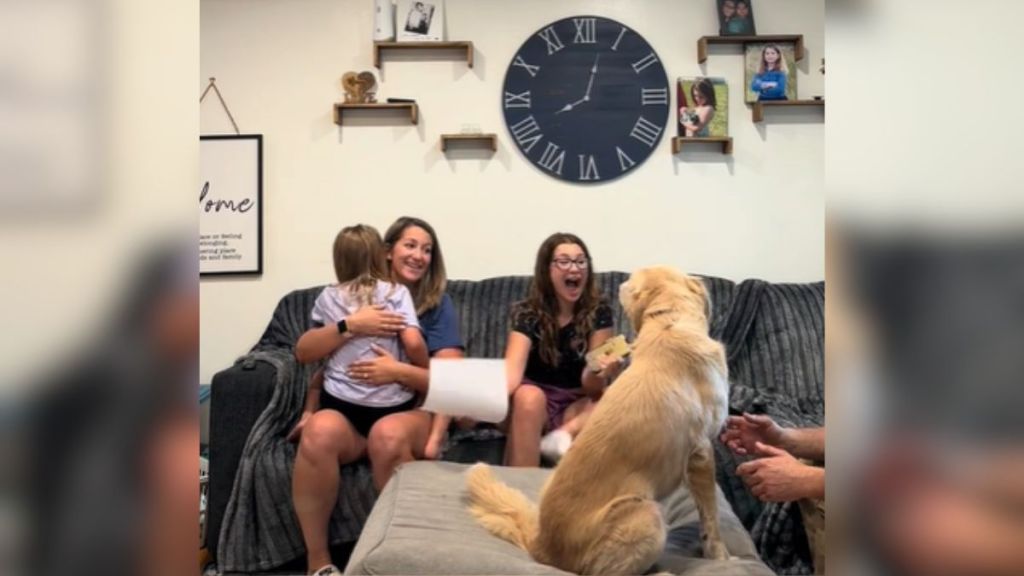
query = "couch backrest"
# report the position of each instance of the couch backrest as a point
(483, 307)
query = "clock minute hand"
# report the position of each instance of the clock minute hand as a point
(590, 83)
(586, 96)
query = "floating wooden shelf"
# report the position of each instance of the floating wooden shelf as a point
(725, 141)
(758, 108)
(412, 107)
(491, 140)
(379, 47)
(702, 43)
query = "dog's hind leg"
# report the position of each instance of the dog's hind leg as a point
(631, 538)
(700, 474)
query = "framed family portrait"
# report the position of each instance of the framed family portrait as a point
(231, 204)
(735, 18)
(419, 21)
(703, 107)
(770, 71)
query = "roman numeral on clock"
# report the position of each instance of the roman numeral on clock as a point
(650, 96)
(625, 162)
(529, 67)
(588, 168)
(517, 100)
(644, 62)
(549, 36)
(622, 33)
(646, 131)
(586, 30)
(527, 133)
(553, 158)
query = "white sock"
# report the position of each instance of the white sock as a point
(555, 444)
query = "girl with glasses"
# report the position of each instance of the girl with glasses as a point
(563, 318)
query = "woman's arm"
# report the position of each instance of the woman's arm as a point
(704, 116)
(595, 382)
(319, 343)
(517, 351)
(386, 369)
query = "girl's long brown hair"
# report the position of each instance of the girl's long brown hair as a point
(428, 292)
(542, 302)
(781, 65)
(359, 261)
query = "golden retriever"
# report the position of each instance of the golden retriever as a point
(650, 433)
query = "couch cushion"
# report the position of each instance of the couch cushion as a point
(420, 525)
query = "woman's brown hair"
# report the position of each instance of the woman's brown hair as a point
(427, 293)
(542, 302)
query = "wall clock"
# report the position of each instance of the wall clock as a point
(586, 99)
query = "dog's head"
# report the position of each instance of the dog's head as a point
(656, 291)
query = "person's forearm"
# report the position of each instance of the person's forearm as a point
(312, 400)
(318, 343)
(806, 443)
(413, 377)
(592, 383)
(815, 483)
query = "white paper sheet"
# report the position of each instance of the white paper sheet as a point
(473, 387)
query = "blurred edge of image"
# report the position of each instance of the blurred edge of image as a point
(925, 276)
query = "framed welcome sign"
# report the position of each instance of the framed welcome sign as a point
(231, 204)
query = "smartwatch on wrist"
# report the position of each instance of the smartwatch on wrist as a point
(342, 326)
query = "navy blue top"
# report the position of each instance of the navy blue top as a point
(440, 326)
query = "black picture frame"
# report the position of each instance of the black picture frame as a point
(232, 198)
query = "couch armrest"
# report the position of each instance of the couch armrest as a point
(238, 395)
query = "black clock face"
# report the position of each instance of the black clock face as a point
(586, 99)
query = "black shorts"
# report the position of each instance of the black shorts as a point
(361, 417)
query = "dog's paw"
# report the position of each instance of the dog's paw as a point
(717, 551)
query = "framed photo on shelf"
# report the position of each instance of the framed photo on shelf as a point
(735, 18)
(231, 204)
(770, 71)
(703, 107)
(419, 21)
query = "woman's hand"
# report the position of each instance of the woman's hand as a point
(375, 321)
(384, 369)
(296, 432)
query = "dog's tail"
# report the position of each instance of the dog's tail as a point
(503, 511)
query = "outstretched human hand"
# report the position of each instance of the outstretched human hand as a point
(743, 432)
(776, 476)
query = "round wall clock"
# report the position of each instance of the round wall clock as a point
(586, 99)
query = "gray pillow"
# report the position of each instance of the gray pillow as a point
(420, 525)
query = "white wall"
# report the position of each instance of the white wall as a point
(758, 213)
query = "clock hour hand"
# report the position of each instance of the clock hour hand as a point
(586, 96)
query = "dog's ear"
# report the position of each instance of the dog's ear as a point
(697, 287)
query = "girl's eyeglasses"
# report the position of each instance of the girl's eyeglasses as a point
(566, 264)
